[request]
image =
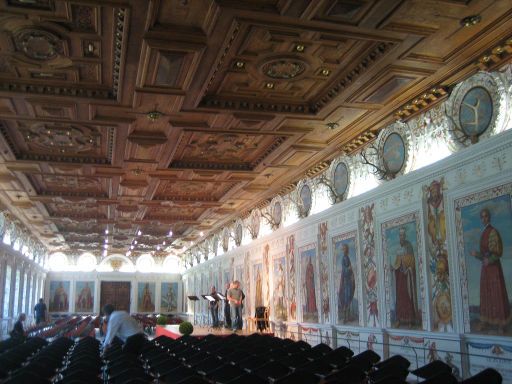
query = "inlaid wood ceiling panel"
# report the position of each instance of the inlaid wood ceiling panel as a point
(169, 115)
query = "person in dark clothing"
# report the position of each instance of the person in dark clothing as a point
(18, 331)
(227, 311)
(40, 311)
(214, 307)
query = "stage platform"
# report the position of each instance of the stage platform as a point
(173, 332)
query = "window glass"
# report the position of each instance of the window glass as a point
(16, 294)
(24, 293)
(31, 294)
(7, 291)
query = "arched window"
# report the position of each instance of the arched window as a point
(172, 265)
(145, 263)
(86, 262)
(58, 262)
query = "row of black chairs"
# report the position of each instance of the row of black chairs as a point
(266, 359)
(17, 355)
(233, 359)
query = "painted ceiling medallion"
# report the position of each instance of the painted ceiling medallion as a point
(283, 69)
(38, 44)
(61, 138)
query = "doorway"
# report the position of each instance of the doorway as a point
(116, 293)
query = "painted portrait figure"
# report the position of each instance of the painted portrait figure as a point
(84, 298)
(59, 296)
(169, 298)
(484, 220)
(258, 299)
(146, 297)
(494, 304)
(405, 295)
(347, 286)
(280, 289)
(405, 283)
(309, 304)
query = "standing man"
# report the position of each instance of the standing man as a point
(125, 327)
(40, 311)
(227, 310)
(235, 304)
(214, 307)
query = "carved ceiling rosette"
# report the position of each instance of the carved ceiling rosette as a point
(284, 67)
(38, 44)
(60, 138)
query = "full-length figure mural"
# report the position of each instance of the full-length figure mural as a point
(84, 299)
(258, 285)
(309, 304)
(400, 245)
(169, 297)
(146, 296)
(280, 288)
(485, 223)
(344, 247)
(406, 304)
(59, 296)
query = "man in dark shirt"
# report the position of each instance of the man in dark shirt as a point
(18, 332)
(40, 311)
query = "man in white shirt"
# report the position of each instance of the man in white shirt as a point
(125, 327)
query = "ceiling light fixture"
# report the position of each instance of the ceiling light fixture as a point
(170, 233)
(139, 233)
(201, 234)
(469, 21)
(106, 231)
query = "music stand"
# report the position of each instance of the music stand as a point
(194, 298)
(210, 299)
(221, 296)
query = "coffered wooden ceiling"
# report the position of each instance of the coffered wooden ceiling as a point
(242, 93)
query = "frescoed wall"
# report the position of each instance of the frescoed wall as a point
(418, 263)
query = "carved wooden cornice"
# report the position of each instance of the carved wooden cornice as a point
(359, 142)
(496, 57)
(422, 103)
